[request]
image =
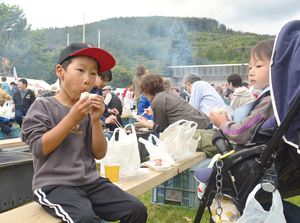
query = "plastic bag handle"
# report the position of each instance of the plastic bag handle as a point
(183, 121)
(113, 135)
(132, 128)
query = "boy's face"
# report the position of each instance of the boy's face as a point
(102, 82)
(131, 87)
(79, 77)
(259, 72)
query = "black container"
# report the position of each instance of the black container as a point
(16, 172)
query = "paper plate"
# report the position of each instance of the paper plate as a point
(164, 166)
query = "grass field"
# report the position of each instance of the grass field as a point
(171, 214)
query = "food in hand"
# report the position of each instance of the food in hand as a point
(87, 93)
(218, 110)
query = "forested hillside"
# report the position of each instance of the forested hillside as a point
(156, 42)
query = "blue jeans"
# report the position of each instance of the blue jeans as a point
(18, 115)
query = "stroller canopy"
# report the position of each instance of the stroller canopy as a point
(285, 76)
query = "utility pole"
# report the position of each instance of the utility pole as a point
(83, 35)
(98, 38)
(243, 49)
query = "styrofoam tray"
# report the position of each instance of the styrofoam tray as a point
(164, 166)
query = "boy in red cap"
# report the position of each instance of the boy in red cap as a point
(64, 134)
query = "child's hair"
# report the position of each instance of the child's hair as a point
(262, 50)
(141, 70)
(152, 84)
(106, 74)
(130, 83)
(235, 79)
(24, 81)
(3, 78)
(66, 63)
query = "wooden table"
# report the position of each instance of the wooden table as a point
(33, 212)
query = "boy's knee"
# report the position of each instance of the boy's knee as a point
(137, 212)
(86, 217)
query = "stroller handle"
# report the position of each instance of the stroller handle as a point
(219, 141)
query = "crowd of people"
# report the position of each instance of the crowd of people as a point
(66, 132)
(22, 97)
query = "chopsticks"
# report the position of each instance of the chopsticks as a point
(118, 123)
(144, 112)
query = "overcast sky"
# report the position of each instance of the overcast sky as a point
(258, 16)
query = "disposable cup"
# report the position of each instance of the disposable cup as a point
(112, 167)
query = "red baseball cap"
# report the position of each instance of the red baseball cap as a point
(105, 60)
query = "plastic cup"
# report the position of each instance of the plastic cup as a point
(112, 167)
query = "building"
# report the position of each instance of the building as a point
(214, 74)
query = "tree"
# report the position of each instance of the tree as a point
(121, 77)
(38, 62)
(13, 29)
(209, 54)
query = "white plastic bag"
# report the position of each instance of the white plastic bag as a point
(254, 212)
(178, 138)
(126, 150)
(157, 151)
(7, 110)
(126, 111)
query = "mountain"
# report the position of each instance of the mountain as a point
(156, 42)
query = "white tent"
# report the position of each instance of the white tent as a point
(33, 84)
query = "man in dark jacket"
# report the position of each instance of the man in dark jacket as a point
(23, 99)
(112, 100)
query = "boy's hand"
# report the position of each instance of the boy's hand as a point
(216, 119)
(97, 107)
(80, 109)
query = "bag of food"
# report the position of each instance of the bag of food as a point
(254, 212)
(126, 150)
(126, 111)
(179, 140)
(157, 151)
(7, 110)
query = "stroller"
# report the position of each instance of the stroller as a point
(272, 157)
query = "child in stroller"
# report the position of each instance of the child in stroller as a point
(239, 132)
(284, 61)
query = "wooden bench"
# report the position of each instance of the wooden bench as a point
(9, 143)
(34, 213)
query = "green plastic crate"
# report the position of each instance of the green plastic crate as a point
(13, 134)
(127, 121)
(182, 188)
